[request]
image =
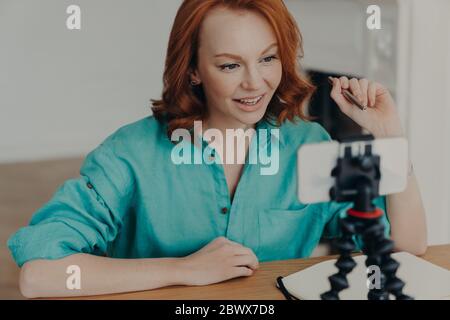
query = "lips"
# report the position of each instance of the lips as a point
(250, 107)
(250, 99)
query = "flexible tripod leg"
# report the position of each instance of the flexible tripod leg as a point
(378, 250)
(372, 232)
(345, 263)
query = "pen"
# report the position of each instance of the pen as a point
(349, 96)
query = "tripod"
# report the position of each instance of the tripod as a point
(357, 180)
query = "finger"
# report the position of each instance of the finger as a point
(234, 242)
(336, 94)
(244, 251)
(244, 260)
(240, 250)
(355, 89)
(241, 272)
(234, 272)
(372, 92)
(344, 82)
(364, 85)
(216, 243)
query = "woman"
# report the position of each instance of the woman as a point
(136, 220)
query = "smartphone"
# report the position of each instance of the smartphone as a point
(316, 161)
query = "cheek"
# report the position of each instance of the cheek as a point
(222, 85)
(273, 75)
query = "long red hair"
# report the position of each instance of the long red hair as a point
(182, 103)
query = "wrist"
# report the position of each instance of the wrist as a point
(390, 129)
(169, 271)
(179, 267)
(393, 133)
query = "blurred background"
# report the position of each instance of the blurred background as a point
(62, 92)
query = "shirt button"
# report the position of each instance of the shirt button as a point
(224, 210)
(89, 185)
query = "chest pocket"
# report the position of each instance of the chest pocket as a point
(288, 234)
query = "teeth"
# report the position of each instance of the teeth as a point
(251, 101)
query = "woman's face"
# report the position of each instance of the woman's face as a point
(237, 59)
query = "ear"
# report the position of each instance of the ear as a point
(195, 77)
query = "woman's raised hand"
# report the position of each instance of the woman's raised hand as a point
(380, 118)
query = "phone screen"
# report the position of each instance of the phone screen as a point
(316, 161)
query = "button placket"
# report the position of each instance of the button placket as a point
(223, 202)
(236, 223)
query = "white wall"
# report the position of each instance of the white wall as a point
(429, 110)
(62, 92)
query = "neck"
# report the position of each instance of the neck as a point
(224, 124)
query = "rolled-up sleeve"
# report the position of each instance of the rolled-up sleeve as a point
(83, 216)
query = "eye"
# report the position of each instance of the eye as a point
(229, 67)
(270, 58)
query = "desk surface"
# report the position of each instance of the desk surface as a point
(260, 286)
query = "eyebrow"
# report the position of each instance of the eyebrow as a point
(233, 56)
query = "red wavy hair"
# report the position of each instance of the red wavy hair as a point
(182, 104)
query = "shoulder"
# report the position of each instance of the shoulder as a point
(118, 158)
(136, 131)
(301, 131)
(128, 145)
(143, 134)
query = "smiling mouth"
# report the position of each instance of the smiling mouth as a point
(250, 102)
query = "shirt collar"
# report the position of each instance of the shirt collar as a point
(265, 124)
(262, 124)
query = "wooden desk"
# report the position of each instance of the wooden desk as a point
(260, 286)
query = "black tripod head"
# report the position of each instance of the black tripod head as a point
(357, 173)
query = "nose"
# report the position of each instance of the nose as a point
(253, 79)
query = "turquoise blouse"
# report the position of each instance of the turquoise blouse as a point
(132, 201)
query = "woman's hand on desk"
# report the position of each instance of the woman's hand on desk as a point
(380, 118)
(220, 260)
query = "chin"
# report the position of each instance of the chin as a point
(251, 118)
